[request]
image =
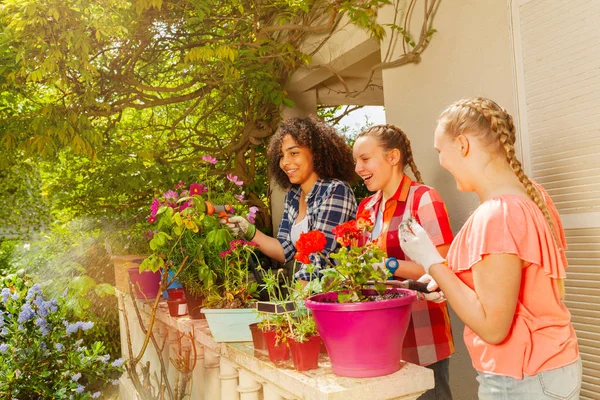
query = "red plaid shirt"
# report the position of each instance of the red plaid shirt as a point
(429, 335)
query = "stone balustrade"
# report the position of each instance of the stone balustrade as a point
(235, 371)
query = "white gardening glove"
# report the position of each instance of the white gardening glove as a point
(437, 296)
(240, 227)
(417, 245)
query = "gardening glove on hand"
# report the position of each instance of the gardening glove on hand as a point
(417, 245)
(437, 296)
(240, 227)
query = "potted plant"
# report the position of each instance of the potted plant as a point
(304, 342)
(231, 304)
(187, 238)
(303, 339)
(275, 313)
(362, 328)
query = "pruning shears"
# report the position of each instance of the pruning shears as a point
(411, 284)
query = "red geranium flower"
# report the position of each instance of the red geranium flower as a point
(363, 220)
(303, 258)
(345, 232)
(309, 243)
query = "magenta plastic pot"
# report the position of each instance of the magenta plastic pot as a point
(146, 284)
(363, 339)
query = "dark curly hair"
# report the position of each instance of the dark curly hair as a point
(332, 156)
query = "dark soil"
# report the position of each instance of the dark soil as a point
(387, 296)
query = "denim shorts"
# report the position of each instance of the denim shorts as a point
(556, 384)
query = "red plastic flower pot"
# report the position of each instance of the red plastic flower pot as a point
(146, 284)
(363, 339)
(177, 307)
(176, 293)
(195, 304)
(258, 337)
(279, 351)
(305, 355)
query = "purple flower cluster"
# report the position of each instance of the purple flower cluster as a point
(118, 362)
(73, 328)
(5, 294)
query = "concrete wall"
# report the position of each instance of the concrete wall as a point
(470, 55)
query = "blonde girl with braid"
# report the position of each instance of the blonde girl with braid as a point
(503, 272)
(381, 154)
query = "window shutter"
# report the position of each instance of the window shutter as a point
(557, 63)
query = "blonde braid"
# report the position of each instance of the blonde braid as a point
(410, 161)
(501, 123)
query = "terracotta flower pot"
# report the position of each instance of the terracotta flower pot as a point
(279, 351)
(305, 355)
(258, 337)
(177, 307)
(195, 304)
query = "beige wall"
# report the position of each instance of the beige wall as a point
(470, 55)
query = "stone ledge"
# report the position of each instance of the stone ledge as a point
(319, 384)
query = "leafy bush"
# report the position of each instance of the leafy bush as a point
(41, 351)
(71, 257)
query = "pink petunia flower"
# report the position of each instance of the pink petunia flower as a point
(209, 159)
(235, 179)
(239, 197)
(180, 185)
(170, 195)
(251, 217)
(185, 205)
(151, 219)
(154, 207)
(196, 189)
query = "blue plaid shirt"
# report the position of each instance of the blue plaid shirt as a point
(330, 203)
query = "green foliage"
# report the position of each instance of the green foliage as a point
(128, 94)
(187, 235)
(354, 268)
(7, 249)
(233, 288)
(26, 204)
(42, 354)
(303, 328)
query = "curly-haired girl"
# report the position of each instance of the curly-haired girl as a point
(314, 162)
(504, 270)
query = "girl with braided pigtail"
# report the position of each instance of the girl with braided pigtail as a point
(503, 272)
(381, 154)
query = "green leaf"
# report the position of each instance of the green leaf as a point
(105, 289)
(82, 284)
